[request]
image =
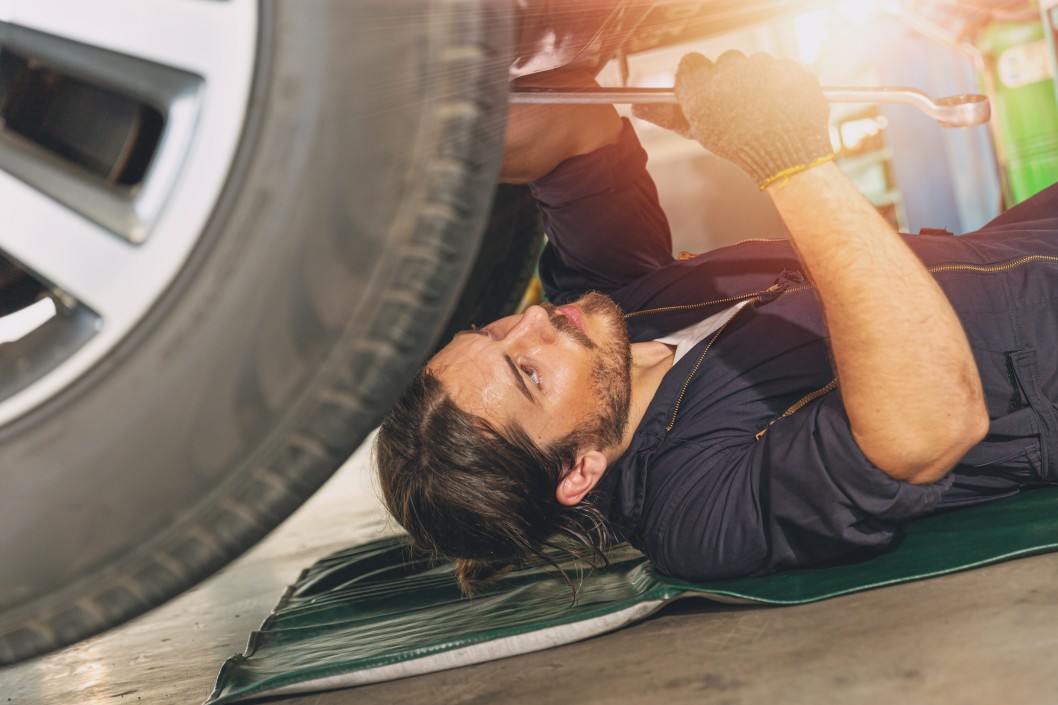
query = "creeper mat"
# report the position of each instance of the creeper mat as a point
(379, 611)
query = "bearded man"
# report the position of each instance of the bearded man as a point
(766, 405)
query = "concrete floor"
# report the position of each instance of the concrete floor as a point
(985, 636)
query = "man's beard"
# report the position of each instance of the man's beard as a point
(612, 369)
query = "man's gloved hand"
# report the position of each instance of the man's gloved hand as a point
(767, 116)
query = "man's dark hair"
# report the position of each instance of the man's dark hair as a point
(482, 497)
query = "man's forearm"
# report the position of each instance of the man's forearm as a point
(540, 137)
(908, 377)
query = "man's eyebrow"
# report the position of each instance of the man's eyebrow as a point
(510, 363)
(521, 380)
(472, 331)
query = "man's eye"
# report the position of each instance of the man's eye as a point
(531, 374)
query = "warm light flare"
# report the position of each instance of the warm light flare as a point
(814, 29)
(855, 132)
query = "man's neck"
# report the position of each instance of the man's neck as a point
(650, 362)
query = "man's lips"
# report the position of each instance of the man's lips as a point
(573, 314)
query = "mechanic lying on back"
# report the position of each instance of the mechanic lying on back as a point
(781, 403)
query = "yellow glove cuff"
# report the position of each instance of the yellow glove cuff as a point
(785, 174)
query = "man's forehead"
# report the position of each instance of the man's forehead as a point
(473, 378)
(464, 350)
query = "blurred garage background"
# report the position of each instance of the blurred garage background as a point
(918, 175)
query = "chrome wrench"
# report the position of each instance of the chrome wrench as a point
(964, 110)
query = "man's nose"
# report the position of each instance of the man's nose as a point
(534, 326)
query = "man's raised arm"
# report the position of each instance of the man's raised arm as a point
(908, 379)
(540, 137)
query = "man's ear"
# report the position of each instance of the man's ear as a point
(587, 470)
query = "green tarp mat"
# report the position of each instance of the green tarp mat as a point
(379, 612)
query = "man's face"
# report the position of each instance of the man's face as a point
(554, 371)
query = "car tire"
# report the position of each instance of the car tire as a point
(333, 258)
(506, 262)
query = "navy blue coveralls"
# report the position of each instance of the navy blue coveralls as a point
(744, 462)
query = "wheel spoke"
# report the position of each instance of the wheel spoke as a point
(190, 35)
(79, 258)
(20, 323)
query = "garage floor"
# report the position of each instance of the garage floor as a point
(985, 636)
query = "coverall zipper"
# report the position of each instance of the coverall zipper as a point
(985, 269)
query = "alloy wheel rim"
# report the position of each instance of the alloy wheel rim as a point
(107, 253)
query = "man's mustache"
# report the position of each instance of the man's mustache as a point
(565, 326)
